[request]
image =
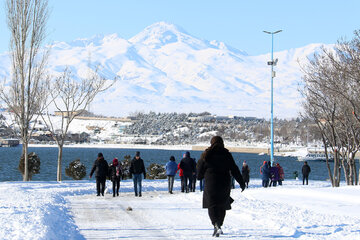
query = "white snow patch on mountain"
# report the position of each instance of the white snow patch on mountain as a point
(165, 69)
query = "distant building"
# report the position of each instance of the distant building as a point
(9, 142)
(67, 113)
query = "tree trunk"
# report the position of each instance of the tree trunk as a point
(347, 175)
(26, 176)
(328, 165)
(336, 170)
(60, 152)
(355, 172)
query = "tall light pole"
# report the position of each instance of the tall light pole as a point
(272, 63)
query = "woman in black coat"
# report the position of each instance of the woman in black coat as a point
(215, 166)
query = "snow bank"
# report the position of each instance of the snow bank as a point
(70, 210)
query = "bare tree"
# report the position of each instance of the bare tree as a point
(26, 94)
(71, 96)
(332, 87)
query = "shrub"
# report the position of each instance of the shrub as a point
(76, 170)
(34, 164)
(156, 171)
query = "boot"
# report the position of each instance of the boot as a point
(217, 230)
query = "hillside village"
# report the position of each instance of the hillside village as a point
(171, 129)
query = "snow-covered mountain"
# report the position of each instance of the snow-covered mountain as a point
(165, 69)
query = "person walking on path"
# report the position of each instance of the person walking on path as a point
(215, 166)
(115, 176)
(137, 169)
(100, 168)
(193, 183)
(265, 174)
(245, 172)
(305, 172)
(187, 164)
(182, 179)
(274, 175)
(171, 168)
(281, 174)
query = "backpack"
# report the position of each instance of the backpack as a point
(118, 171)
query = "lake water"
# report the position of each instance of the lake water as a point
(9, 160)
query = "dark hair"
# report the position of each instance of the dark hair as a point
(100, 155)
(172, 158)
(137, 154)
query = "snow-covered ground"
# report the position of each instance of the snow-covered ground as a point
(70, 210)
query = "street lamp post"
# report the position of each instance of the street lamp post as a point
(272, 63)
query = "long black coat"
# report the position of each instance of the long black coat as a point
(245, 172)
(215, 166)
(100, 168)
(306, 170)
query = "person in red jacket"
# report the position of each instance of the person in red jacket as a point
(281, 173)
(181, 175)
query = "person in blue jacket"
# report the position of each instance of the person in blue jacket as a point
(171, 169)
(265, 174)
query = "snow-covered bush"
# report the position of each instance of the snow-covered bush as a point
(34, 164)
(156, 171)
(125, 167)
(76, 170)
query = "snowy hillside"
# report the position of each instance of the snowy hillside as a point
(165, 69)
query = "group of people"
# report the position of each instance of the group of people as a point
(271, 174)
(215, 168)
(274, 174)
(187, 173)
(102, 170)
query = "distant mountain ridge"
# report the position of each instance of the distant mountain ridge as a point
(165, 69)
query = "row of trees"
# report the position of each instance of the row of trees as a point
(32, 90)
(331, 99)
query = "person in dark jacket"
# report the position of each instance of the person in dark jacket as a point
(274, 175)
(115, 176)
(305, 172)
(265, 174)
(137, 169)
(100, 168)
(171, 168)
(187, 164)
(245, 172)
(193, 183)
(215, 166)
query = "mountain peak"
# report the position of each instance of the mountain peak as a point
(160, 33)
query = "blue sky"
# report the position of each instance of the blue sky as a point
(238, 23)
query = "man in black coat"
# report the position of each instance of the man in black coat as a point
(215, 165)
(245, 172)
(101, 169)
(137, 169)
(188, 165)
(305, 172)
